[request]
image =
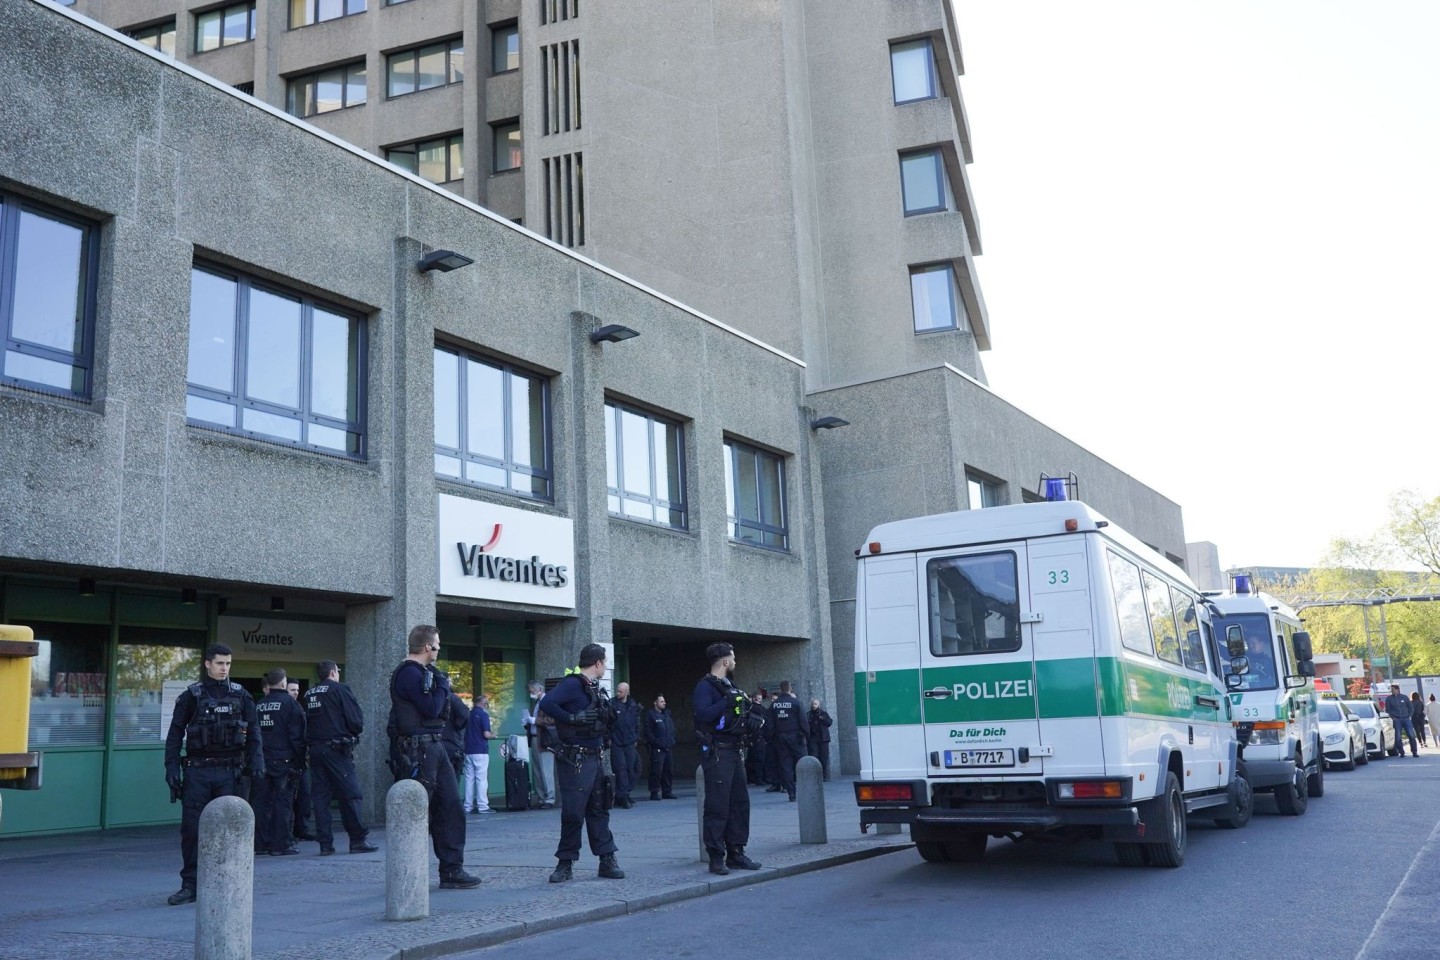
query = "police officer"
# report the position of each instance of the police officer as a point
(333, 723)
(721, 709)
(820, 722)
(624, 741)
(282, 736)
(215, 720)
(422, 701)
(660, 734)
(304, 809)
(789, 737)
(582, 720)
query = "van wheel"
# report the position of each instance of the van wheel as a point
(1131, 854)
(1165, 821)
(1315, 783)
(1294, 797)
(1242, 799)
(968, 848)
(932, 851)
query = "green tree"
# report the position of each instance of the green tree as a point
(1414, 529)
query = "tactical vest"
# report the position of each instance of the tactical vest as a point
(571, 732)
(218, 726)
(746, 726)
(407, 718)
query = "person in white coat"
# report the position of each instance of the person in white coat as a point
(1432, 717)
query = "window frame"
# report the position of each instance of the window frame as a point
(12, 206)
(496, 31)
(313, 7)
(450, 44)
(451, 140)
(245, 283)
(313, 76)
(942, 185)
(221, 11)
(932, 581)
(735, 523)
(614, 409)
(498, 145)
(986, 485)
(142, 35)
(956, 302)
(508, 462)
(931, 66)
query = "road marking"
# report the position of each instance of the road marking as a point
(1430, 841)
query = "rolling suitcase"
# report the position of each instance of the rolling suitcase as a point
(517, 784)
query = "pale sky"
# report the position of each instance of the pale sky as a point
(1211, 254)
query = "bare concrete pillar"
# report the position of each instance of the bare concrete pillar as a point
(407, 857)
(700, 810)
(810, 799)
(225, 880)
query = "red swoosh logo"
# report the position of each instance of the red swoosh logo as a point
(494, 539)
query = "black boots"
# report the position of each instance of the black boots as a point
(737, 860)
(183, 895)
(562, 872)
(458, 880)
(609, 868)
(717, 864)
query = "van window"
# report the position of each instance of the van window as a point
(1129, 604)
(1192, 651)
(1259, 649)
(1162, 618)
(974, 604)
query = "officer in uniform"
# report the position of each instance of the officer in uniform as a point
(282, 735)
(624, 739)
(333, 724)
(723, 727)
(820, 722)
(660, 734)
(583, 718)
(215, 720)
(422, 701)
(304, 809)
(788, 719)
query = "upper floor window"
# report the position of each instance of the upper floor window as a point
(269, 363)
(755, 496)
(438, 160)
(508, 148)
(328, 90)
(224, 27)
(423, 68)
(922, 182)
(48, 278)
(158, 36)
(935, 298)
(644, 466)
(984, 492)
(504, 48)
(912, 70)
(305, 12)
(492, 424)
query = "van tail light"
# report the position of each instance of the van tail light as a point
(885, 792)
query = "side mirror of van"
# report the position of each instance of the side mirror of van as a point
(1239, 665)
(1233, 681)
(1302, 647)
(1306, 668)
(1235, 640)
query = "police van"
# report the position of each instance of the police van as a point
(1033, 669)
(1273, 699)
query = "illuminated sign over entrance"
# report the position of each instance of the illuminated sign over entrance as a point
(491, 552)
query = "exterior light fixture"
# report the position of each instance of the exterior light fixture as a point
(443, 260)
(613, 333)
(277, 604)
(87, 587)
(188, 597)
(828, 423)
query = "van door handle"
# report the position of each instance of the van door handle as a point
(1210, 702)
(939, 693)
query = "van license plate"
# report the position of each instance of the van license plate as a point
(980, 758)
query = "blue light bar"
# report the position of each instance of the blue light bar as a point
(1055, 489)
(1243, 584)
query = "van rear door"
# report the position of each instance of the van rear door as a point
(977, 666)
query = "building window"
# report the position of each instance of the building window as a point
(560, 86)
(224, 27)
(922, 182)
(644, 466)
(159, 36)
(984, 492)
(564, 201)
(912, 71)
(437, 160)
(268, 363)
(328, 90)
(755, 496)
(935, 297)
(424, 68)
(492, 424)
(504, 48)
(553, 11)
(305, 12)
(48, 279)
(508, 147)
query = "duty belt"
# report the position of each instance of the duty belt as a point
(233, 761)
(423, 737)
(575, 752)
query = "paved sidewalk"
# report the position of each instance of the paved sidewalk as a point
(103, 894)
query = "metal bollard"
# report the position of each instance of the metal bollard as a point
(225, 888)
(810, 798)
(407, 861)
(700, 810)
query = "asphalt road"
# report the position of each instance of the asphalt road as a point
(1358, 876)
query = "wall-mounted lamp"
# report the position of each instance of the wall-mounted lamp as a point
(188, 597)
(443, 260)
(87, 587)
(613, 333)
(828, 423)
(277, 604)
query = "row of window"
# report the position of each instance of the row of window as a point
(273, 364)
(1155, 618)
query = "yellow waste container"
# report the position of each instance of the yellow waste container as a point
(19, 768)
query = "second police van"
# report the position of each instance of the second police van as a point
(1033, 669)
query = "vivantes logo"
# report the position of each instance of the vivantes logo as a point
(253, 635)
(478, 560)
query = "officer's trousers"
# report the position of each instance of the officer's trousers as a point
(332, 774)
(789, 748)
(447, 817)
(727, 799)
(274, 800)
(626, 761)
(202, 784)
(304, 808)
(661, 776)
(582, 804)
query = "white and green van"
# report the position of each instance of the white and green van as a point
(1033, 669)
(1273, 699)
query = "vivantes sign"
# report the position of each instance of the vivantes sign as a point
(492, 552)
(268, 638)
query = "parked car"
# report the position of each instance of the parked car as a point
(1380, 739)
(1342, 738)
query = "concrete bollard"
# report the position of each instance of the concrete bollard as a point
(810, 798)
(225, 880)
(700, 810)
(407, 859)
